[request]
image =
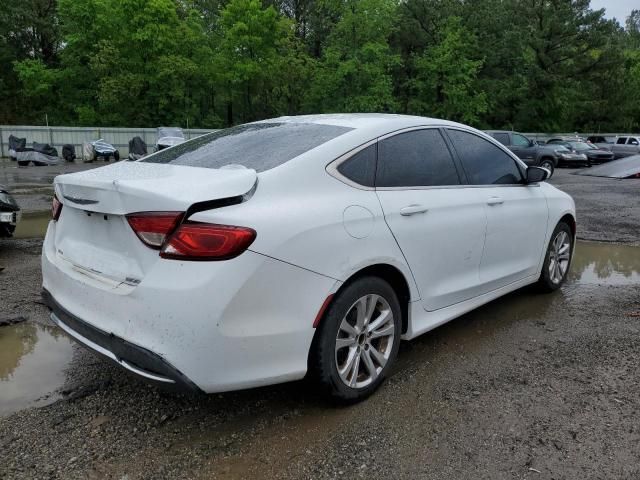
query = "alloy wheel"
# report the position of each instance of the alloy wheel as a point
(559, 257)
(364, 341)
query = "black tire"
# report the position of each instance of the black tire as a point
(548, 164)
(116, 156)
(323, 363)
(24, 163)
(547, 282)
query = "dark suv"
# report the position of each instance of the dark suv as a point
(527, 150)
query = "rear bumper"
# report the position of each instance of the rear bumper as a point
(140, 361)
(222, 326)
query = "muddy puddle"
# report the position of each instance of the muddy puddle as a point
(33, 225)
(604, 264)
(32, 363)
(33, 358)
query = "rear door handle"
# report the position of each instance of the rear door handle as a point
(412, 210)
(495, 201)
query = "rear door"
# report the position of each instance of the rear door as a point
(516, 213)
(439, 226)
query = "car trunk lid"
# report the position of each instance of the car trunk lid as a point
(93, 236)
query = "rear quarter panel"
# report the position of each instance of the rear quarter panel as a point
(306, 217)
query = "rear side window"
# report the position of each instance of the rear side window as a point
(361, 167)
(503, 138)
(415, 159)
(260, 146)
(484, 163)
(622, 140)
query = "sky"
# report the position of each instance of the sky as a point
(620, 9)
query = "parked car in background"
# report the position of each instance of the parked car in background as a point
(600, 140)
(625, 146)
(9, 213)
(137, 148)
(16, 145)
(297, 246)
(39, 154)
(168, 137)
(527, 150)
(92, 151)
(593, 153)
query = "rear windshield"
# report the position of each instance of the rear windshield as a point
(259, 146)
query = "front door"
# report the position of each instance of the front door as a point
(439, 226)
(516, 213)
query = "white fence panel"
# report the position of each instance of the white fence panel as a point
(59, 136)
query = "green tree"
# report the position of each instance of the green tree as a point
(445, 83)
(354, 74)
(253, 43)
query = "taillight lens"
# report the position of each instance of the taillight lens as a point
(207, 241)
(56, 208)
(154, 227)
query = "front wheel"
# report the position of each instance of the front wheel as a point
(357, 340)
(548, 164)
(558, 259)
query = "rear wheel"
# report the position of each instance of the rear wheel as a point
(357, 341)
(558, 259)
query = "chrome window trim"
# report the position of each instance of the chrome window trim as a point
(445, 187)
(332, 167)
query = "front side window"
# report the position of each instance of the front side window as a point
(633, 141)
(419, 158)
(484, 163)
(520, 140)
(259, 146)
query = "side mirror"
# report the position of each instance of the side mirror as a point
(532, 143)
(537, 174)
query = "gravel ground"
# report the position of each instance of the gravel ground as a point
(528, 386)
(608, 209)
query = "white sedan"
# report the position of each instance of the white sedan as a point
(298, 246)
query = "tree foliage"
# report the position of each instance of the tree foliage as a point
(545, 65)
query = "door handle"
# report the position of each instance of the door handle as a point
(495, 201)
(412, 210)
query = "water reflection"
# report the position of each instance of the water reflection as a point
(605, 264)
(32, 363)
(33, 225)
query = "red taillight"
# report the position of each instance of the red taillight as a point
(207, 241)
(153, 227)
(56, 208)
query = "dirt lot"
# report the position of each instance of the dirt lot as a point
(529, 386)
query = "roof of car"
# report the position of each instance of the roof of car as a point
(363, 120)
